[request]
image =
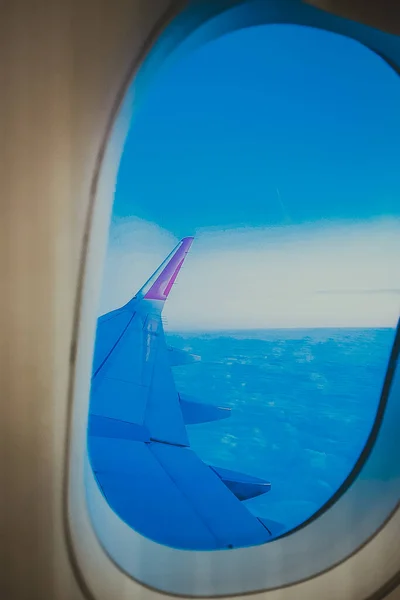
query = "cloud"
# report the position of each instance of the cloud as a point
(294, 276)
(135, 250)
(389, 291)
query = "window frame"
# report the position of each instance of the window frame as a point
(88, 518)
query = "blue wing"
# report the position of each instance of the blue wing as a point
(137, 438)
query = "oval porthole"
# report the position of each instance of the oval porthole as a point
(249, 304)
(275, 147)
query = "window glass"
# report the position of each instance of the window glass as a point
(276, 148)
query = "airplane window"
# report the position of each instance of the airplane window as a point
(256, 211)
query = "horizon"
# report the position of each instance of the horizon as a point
(245, 329)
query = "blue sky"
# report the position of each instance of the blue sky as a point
(267, 132)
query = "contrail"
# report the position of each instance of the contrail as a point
(349, 291)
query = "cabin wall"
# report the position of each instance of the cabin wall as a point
(63, 66)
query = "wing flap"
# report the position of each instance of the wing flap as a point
(230, 521)
(196, 412)
(179, 357)
(144, 496)
(243, 486)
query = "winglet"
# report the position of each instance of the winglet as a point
(160, 283)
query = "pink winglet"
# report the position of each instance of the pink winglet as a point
(164, 282)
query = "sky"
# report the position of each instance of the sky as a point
(277, 147)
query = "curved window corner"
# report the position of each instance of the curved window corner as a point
(244, 393)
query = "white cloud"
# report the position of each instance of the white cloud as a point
(256, 278)
(135, 250)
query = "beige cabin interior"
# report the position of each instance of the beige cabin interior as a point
(65, 65)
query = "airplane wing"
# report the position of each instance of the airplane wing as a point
(137, 438)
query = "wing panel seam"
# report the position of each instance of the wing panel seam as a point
(114, 346)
